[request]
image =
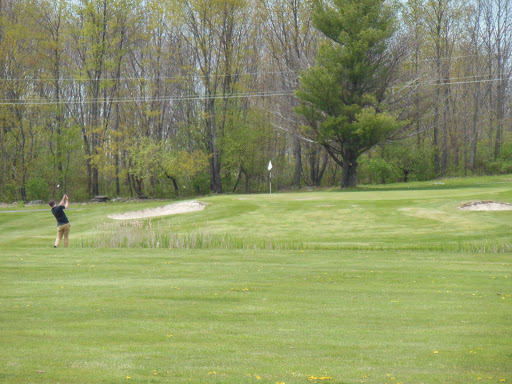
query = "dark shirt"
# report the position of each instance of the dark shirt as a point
(58, 212)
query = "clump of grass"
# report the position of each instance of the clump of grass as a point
(147, 234)
(462, 247)
(150, 234)
(486, 246)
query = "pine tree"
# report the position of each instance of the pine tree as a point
(342, 96)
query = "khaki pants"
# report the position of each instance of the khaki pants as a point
(63, 230)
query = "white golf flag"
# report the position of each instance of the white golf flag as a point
(270, 165)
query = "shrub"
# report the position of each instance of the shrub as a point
(37, 189)
(379, 171)
(201, 184)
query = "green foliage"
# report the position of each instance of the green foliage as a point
(342, 95)
(151, 159)
(413, 163)
(503, 164)
(201, 183)
(143, 158)
(378, 171)
(247, 145)
(183, 164)
(37, 189)
(371, 127)
(82, 80)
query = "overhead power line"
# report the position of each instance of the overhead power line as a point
(143, 100)
(445, 82)
(411, 84)
(150, 78)
(434, 59)
(199, 75)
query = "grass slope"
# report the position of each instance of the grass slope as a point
(422, 216)
(407, 309)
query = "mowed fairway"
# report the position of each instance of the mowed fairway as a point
(385, 285)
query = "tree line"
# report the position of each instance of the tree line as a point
(179, 97)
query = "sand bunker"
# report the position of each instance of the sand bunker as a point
(485, 206)
(171, 209)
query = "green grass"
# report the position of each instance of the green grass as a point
(375, 285)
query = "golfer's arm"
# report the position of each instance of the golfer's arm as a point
(64, 202)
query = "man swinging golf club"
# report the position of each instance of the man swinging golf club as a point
(62, 220)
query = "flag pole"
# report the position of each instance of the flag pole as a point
(270, 175)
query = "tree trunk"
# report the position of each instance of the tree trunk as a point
(446, 102)
(323, 168)
(297, 151)
(174, 183)
(437, 160)
(318, 161)
(240, 171)
(211, 125)
(95, 182)
(129, 180)
(474, 138)
(137, 185)
(246, 182)
(405, 171)
(466, 136)
(499, 109)
(349, 172)
(312, 165)
(118, 184)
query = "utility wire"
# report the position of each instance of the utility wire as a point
(454, 57)
(126, 78)
(411, 84)
(140, 100)
(444, 82)
(199, 75)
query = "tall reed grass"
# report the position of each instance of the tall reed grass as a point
(151, 234)
(148, 234)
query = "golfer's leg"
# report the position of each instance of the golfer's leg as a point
(66, 235)
(59, 236)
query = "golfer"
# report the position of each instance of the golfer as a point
(62, 220)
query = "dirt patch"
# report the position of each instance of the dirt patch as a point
(171, 209)
(485, 206)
